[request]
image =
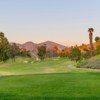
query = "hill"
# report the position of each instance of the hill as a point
(30, 46)
(50, 44)
(93, 63)
(50, 65)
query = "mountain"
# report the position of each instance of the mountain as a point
(50, 44)
(30, 46)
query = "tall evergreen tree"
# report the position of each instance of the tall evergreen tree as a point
(4, 46)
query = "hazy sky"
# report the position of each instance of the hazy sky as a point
(62, 21)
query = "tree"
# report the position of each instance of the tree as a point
(51, 53)
(75, 54)
(23, 52)
(42, 52)
(86, 54)
(91, 30)
(13, 51)
(97, 39)
(4, 46)
(97, 51)
(65, 52)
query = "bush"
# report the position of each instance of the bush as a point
(93, 63)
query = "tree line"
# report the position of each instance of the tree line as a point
(76, 53)
(9, 50)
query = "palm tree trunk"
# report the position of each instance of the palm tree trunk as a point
(91, 45)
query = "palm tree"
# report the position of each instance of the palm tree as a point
(90, 30)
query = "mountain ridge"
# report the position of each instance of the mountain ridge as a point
(31, 46)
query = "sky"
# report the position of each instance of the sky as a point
(62, 21)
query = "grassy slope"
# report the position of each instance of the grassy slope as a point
(69, 86)
(47, 66)
(93, 63)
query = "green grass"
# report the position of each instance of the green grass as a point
(46, 66)
(50, 79)
(67, 86)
